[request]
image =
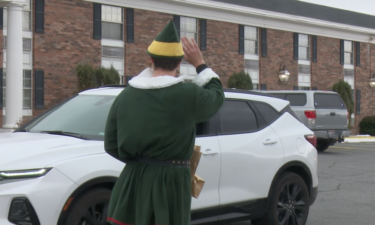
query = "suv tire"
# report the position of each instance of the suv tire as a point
(91, 207)
(322, 145)
(282, 206)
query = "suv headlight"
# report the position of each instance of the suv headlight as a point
(18, 174)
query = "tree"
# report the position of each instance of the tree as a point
(89, 77)
(240, 80)
(345, 91)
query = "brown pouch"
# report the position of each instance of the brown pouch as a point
(196, 186)
(194, 161)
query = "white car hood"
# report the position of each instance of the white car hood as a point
(23, 150)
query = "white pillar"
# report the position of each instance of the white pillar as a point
(14, 71)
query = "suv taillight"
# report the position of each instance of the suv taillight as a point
(311, 117)
(312, 139)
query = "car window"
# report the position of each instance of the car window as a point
(281, 96)
(88, 121)
(290, 111)
(296, 99)
(328, 101)
(267, 111)
(237, 117)
(206, 128)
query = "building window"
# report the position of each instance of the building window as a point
(304, 77)
(189, 29)
(114, 56)
(349, 77)
(303, 47)
(112, 22)
(27, 84)
(26, 17)
(252, 68)
(348, 52)
(251, 40)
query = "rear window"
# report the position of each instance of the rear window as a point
(294, 99)
(328, 101)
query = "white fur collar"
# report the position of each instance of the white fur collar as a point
(145, 80)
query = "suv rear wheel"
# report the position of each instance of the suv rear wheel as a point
(90, 209)
(289, 202)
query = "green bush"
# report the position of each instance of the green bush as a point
(345, 91)
(106, 76)
(367, 125)
(240, 80)
(88, 77)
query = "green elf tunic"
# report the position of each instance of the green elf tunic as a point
(155, 117)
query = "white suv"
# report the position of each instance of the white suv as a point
(259, 162)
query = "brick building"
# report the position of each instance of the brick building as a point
(318, 45)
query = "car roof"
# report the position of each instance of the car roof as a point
(298, 91)
(278, 104)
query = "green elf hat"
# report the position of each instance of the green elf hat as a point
(167, 44)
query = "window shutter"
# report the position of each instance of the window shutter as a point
(128, 78)
(264, 41)
(39, 89)
(203, 35)
(314, 88)
(314, 48)
(97, 21)
(176, 20)
(39, 16)
(358, 95)
(130, 25)
(1, 18)
(295, 88)
(295, 46)
(263, 86)
(242, 39)
(342, 52)
(358, 53)
(1, 88)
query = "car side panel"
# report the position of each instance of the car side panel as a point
(248, 166)
(296, 147)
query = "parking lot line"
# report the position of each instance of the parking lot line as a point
(337, 147)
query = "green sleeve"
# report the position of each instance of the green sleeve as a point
(210, 97)
(110, 135)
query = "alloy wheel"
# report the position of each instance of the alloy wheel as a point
(292, 205)
(95, 215)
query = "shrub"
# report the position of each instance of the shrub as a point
(345, 92)
(86, 76)
(106, 76)
(240, 80)
(367, 125)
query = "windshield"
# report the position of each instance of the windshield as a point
(85, 115)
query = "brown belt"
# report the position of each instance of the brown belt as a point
(171, 162)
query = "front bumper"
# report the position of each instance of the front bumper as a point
(46, 194)
(324, 134)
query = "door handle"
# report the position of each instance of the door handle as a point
(333, 114)
(210, 152)
(269, 142)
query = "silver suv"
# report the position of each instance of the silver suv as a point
(323, 112)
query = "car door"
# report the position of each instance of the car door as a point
(205, 207)
(251, 154)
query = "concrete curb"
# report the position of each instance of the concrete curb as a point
(359, 139)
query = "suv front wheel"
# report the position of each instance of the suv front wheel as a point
(289, 202)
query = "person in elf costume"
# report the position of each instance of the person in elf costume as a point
(151, 127)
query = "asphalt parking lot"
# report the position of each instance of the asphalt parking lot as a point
(346, 186)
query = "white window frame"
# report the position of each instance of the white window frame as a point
(26, 9)
(349, 52)
(187, 71)
(301, 46)
(118, 20)
(248, 39)
(302, 84)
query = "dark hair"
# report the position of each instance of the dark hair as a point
(166, 64)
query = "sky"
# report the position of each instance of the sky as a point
(361, 6)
